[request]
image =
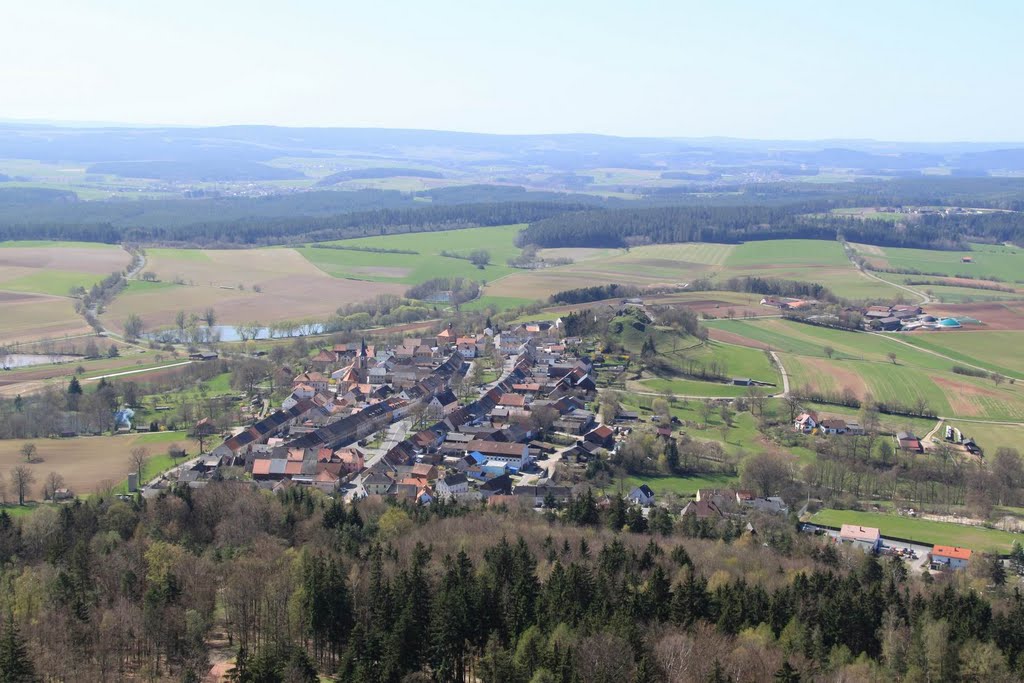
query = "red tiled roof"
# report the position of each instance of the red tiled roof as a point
(952, 552)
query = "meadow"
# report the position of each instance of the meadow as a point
(927, 532)
(997, 350)
(988, 261)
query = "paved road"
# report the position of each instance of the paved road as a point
(395, 435)
(135, 372)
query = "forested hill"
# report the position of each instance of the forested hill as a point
(303, 586)
(557, 219)
(660, 225)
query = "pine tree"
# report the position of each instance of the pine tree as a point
(15, 664)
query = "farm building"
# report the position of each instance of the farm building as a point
(865, 537)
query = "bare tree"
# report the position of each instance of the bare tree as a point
(829, 352)
(28, 451)
(139, 455)
(707, 409)
(22, 479)
(891, 356)
(997, 379)
(53, 482)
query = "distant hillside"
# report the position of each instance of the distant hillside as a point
(371, 173)
(194, 170)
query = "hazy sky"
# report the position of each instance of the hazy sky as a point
(895, 70)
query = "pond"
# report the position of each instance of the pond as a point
(232, 333)
(24, 360)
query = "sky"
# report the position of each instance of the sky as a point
(906, 70)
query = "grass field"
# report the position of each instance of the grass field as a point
(424, 265)
(923, 531)
(860, 362)
(87, 462)
(997, 350)
(989, 261)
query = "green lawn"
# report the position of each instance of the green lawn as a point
(692, 387)
(923, 531)
(424, 265)
(681, 486)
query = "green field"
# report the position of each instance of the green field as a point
(499, 303)
(816, 253)
(424, 265)
(860, 362)
(690, 387)
(55, 282)
(997, 350)
(144, 287)
(989, 261)
(923, 531)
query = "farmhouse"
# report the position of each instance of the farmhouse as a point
(906, 441)
(832, 425)
(806, 422)
(864, 537)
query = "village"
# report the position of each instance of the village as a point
(403, 422)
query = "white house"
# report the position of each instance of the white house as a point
(947, 557)
(452, 486)
(642, 495)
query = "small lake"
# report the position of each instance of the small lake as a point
(26, 360)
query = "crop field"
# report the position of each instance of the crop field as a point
(427, 263)
(30, 317)
(35, 279)
(225, 279)
(1003, 315)
(86, 462)
(988, 261)
(923, 531)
